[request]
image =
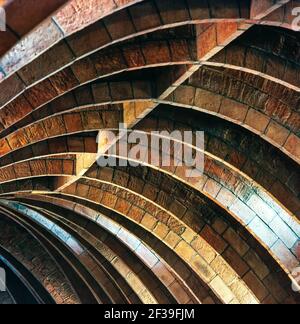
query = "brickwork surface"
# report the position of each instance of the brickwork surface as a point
(145, 234)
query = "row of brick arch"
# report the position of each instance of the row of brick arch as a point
(53, 109)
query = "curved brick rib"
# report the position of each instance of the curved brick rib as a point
(76, 15)
(187, 96)
(162, 269)
(213, 279)
(70, 123)
(137, 214)
(290, 261)
(29, 76)
(266, 53)
(73, 144)
(37, 168)
(116, 27)
(19, 22)
(207, 277)
(280, 294)
(118, 257)
(122, 77)
(274, 229)
(100, 65)
(89, 146)
(86, 255)
(76, 270)
(51, 277)
(276, 120)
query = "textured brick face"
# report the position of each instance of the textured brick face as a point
(151, 234)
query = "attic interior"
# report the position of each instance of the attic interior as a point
(75, 232)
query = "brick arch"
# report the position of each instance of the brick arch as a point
(39, 167)
(97, 94)
(158, 268)
(212, 181)
(273, 116)
(51, 277)
(99, 65)
(119, 178)
(263, 49)
(254, 211)
(277, 119)
(244, 153)
(19, 92)
(21, 285)
(177, 265)
(81, 189)
(76, 270)
(70, 123)
(281, 130)
(108, 15)
(88, 258)
(52, 148)
(111, 67)
(19, 24)
(217, 284)
(270, 281)
(114, 232)
(230, 206)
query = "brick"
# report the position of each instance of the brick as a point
(213, 239)
(257, 265)
(129, 239)
(234, 110)
(263, 231)
(149, 10)
(277, 133)
(184, 95)
(172, 239)
(119, 25)
(236, 242)
(284, 232)
(225, 272)
(243, 211)
(261, 208)
(147, 256)
(149, 221)
(273, 285)
(256, 120)
(222, 290)
(286, 257)
(207, 100)
(206, 41)
(202, 267)
(212, 188)
(161, 230)
(236, 262)
(204, 249)
(73, 122)
(292, 145)
(185, 251)
(178, 291)
(162, 272)
(226, 197)
(256, 286)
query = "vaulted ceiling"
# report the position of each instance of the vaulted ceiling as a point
(74, 232)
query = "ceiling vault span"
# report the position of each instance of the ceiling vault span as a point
(77, 80)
